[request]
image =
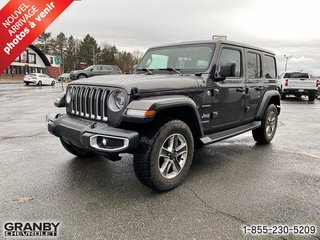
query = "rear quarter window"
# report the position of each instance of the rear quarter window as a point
(270, 71)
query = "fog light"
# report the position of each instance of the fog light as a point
(109, 143)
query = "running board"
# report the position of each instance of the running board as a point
(218, 136)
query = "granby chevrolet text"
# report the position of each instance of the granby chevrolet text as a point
(182, 96)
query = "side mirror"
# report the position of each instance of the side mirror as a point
(226, 70)
(91, 70)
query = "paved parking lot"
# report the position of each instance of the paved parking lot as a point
(230, 184)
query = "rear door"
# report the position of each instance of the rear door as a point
(228, 105)
(254, 83)
(106, 70)
(46, 79)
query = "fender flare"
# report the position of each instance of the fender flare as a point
(271, 95)
(160, 104)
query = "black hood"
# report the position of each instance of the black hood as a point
(143, 82)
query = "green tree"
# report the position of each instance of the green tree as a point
(125, 61)
(71, 60)
(44, 42)
(89, 50)
(108, 54)
(60, 43)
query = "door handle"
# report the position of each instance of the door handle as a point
(240, 90)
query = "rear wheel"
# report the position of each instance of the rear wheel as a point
(53, 83)
(269, 123)
(81, 153)
(27, 83)
(283, 96)
(164, 156)
(40, 83)
(311, 98)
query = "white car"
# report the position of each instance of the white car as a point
(39, 79)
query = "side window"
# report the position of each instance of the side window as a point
(96, 68)
(231, 56)
(106, 68)
(254, 65)
(269, 67)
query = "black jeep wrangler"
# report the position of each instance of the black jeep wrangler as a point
(181, 96)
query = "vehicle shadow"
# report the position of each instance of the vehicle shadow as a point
(302, 100)
(102, 177)
(220, 158)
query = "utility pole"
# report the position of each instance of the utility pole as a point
(94, 55)
(287, 58)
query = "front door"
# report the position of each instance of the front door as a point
(229, 100)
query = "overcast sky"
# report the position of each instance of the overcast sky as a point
(283, 26)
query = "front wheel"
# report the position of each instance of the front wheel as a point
(53, 83)
(81, 153)
(81, 76)
(269, 123)
(164, 156)
(40, 83)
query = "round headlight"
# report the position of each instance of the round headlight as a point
(117, 100)
(69, 96)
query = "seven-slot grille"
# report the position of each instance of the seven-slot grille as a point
(89, 102)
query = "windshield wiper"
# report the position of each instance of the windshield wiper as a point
(146, 70)
(171, 69)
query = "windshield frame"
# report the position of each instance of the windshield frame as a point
(211, 45)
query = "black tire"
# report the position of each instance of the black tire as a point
(53, 83)
(40, 83)
(283, 96)
(147, 159)
(269, 122)
(27, 83)
(81, 153)
(311, 98)
(81, 76)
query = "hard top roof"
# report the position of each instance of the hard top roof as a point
(226, 42)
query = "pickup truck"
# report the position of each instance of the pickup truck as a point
(298, 84)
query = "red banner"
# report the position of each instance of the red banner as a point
(21, 22)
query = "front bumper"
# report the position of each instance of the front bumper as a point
(73, 76)
(92, 136)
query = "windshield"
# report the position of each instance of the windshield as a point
(184, 57)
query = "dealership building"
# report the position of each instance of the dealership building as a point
(33, 60)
